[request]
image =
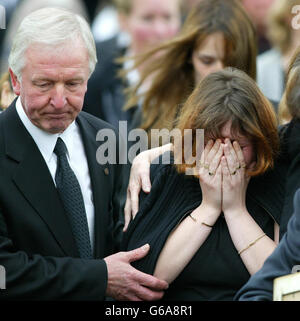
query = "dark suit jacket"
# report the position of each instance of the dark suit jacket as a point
(290, 142)
(105, 98)
(37, 248)
(279, 263)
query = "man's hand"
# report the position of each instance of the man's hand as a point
(127, 283)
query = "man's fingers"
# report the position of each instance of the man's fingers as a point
(144, 279)
(146, 294)
(151, 281)
(138, 253)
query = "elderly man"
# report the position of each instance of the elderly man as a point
(59, 213)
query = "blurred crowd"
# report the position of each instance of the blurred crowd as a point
(109, 20)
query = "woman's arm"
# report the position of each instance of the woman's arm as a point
(184, 242)
(191, 233)
(249, 239)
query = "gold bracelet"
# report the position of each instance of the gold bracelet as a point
(252, 243)
(195, 220)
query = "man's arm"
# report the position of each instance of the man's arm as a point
(37, 277)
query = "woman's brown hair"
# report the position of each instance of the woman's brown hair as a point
(172, 72)
(230, 95)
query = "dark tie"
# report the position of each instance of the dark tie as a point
(71, 196)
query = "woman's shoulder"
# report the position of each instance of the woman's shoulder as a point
(268, 190)
(163, 167)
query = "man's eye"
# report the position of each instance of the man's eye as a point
(72, 84)
(43, 84)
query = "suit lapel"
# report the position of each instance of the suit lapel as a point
(33, 179)
(100, 185)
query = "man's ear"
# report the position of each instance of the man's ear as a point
(15, 82)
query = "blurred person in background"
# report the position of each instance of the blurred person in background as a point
(201, 47)
(105, 24)
(148, 23)
(92, 7)
(6, 91)
(188, 5)
(10, 6)
(272, 65)
(23, 9)
(258, 11)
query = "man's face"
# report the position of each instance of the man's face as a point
(53, 85)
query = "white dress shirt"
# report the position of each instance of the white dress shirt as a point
(75, 154)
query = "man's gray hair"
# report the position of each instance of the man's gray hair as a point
(50, 26)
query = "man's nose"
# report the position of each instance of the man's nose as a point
(58, 98)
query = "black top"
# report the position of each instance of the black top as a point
(216, 272)
(290, 141)
(105, 97)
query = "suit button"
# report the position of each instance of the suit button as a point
(106, 171)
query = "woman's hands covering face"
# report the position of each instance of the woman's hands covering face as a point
(210, 175)
(234, 178)
(223, 177)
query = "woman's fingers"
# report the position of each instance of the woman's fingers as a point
(206, 150)
(224, 167)
(240, 155)
(215, 162)
(210, 158)
(231, 158)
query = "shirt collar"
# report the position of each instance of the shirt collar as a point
(44, 140)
